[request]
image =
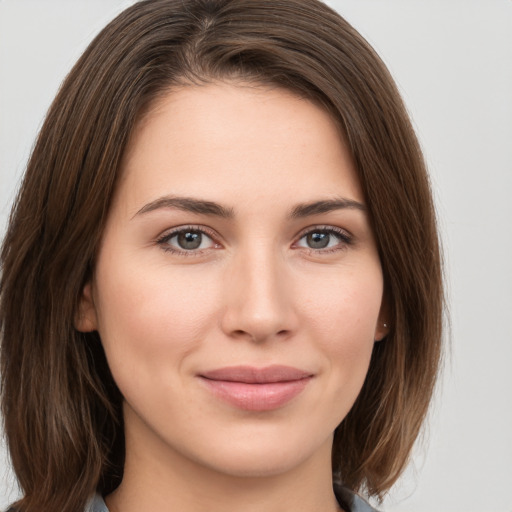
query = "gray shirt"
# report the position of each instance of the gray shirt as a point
(350, 502)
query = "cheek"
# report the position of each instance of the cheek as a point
(343, 320)
(151, 319)
(348, 305)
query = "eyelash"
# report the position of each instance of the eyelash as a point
(345, 239)
(163, 240)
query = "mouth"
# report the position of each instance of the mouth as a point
(256, 389)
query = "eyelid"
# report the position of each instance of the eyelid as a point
(345, 236)
(325, 227)
(167, 235)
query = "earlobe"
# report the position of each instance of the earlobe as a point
(381, 331)
(85, 316)
(383, 325)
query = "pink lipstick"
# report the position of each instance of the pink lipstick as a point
(256, 389)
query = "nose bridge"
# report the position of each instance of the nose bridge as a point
(258, 300)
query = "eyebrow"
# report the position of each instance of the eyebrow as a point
(210, 208)
(325, 206)
(188, 204)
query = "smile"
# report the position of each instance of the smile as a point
(256, 389)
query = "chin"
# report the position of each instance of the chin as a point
(256, 467)
(259, 459)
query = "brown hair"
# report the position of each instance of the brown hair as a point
(61, 407)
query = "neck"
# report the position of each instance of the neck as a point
(162, 480)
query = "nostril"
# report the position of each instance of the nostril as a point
(259, 336)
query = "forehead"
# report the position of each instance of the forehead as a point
(230, 140)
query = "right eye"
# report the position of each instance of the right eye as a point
(187, 240)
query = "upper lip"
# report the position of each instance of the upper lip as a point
(254, 375)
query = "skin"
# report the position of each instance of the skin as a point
(254, 293)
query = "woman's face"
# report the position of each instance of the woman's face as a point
(237, 289)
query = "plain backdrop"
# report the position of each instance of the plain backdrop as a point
(452, 60)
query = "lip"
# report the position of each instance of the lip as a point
(256, 389)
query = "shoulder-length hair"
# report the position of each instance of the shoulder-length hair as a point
(61, 407)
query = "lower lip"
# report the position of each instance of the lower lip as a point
(257, 397)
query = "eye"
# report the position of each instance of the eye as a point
(324, 238)
(187, 240)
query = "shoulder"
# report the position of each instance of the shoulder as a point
(350, 501)
(96, 504)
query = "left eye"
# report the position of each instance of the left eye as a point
(322, 239)
(187, 240)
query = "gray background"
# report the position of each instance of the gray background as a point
(453, 62)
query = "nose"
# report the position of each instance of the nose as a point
(258, 298)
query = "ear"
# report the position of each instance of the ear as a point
(85, 315)
(383, 323)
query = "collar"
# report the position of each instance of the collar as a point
(348, 500)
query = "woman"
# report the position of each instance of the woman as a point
(221, 279)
